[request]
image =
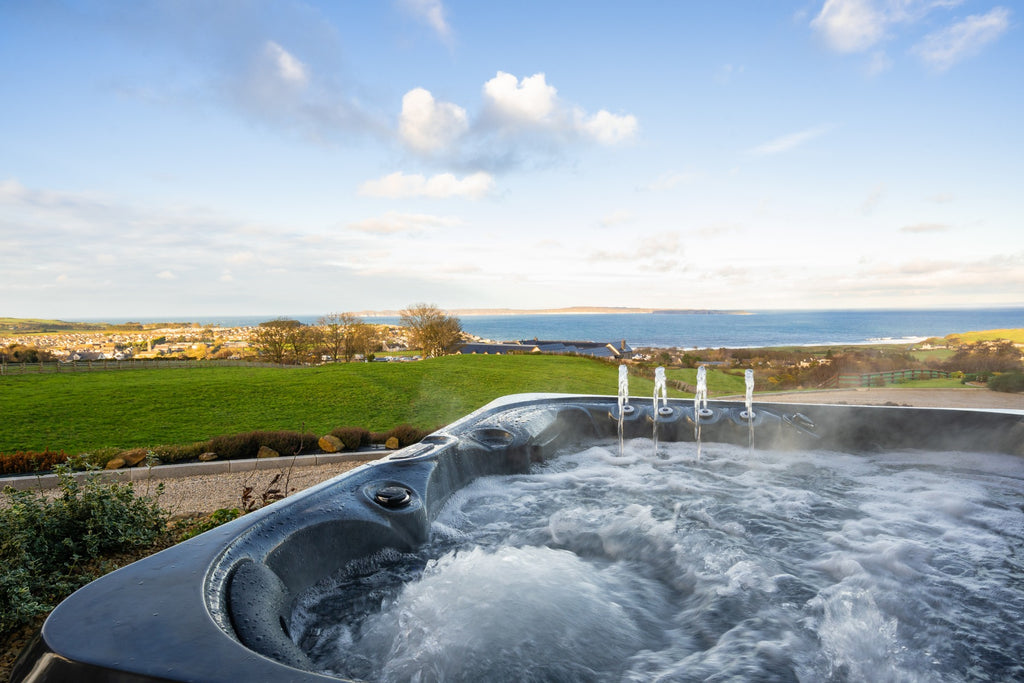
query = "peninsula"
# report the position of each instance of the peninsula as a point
(571, 310)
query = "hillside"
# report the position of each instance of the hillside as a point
(34, 325)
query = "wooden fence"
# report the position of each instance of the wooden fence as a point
(880, 379)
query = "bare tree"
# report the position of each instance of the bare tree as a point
(362, 339)
(335, 328)
(284, 341)
(431, 329)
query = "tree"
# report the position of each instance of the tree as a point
(362, 340)
(334, 330)
(345, 335)
(284, 341)
(431, 329)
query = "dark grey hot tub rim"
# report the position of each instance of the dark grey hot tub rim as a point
(215, 608)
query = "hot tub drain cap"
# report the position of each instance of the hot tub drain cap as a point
(393, 496)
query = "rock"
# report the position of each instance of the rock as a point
(115, 464)
(330, 444)
(207, 456)
(134, 457)
(392, 443)
(267, 452)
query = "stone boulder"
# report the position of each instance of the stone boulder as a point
(207, 456)
(392, 443)
(114, 464)
(134, 457)
(267, 452)
(330, 444)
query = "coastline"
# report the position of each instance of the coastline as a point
(570, 310)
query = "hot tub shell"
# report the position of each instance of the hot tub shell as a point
(216, 607)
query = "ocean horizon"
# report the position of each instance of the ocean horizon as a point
(697, 330)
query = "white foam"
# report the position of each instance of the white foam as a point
(746, 565)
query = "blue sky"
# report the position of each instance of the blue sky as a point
(191, 157)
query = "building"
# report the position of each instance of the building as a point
(619, 351)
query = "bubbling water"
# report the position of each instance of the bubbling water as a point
(763, 565)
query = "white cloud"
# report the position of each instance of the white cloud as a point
(942, 49)
(517, 117)
(427, 125)
(394, 223)
(285, 66)
(530, 100)
(605, 127)
(166, 275)
(531, 103)
(850, 25)
(432, 13)
(790, 141)
(399, 185)
(240, 257)
(853, 26)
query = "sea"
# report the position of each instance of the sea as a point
(709, 330)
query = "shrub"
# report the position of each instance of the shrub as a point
(180, 453)
(247, 444)
(354, 438)
(49, 548)
(194, 527)
(1011, 382)
(21, 462)
(406, 435)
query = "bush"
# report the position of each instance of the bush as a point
(182, 453)
(354, 438)
(1011, 382)
(191, 528)
(21, 462)
(247, 444)
(406, 435)
(49, 548)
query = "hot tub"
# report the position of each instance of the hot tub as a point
(221, 606)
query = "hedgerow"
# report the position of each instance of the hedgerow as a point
(1011, 382)
(20, 462)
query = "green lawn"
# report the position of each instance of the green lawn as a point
(145, 408)
(933, 356)
(936, 383)
(719, 383)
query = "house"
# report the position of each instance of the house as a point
(621, 350)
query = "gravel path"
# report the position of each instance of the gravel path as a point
(187, 496)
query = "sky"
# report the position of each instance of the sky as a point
(250, 157)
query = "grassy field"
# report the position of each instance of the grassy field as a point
(144, 408)
(1015, 335)
(719, 383)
